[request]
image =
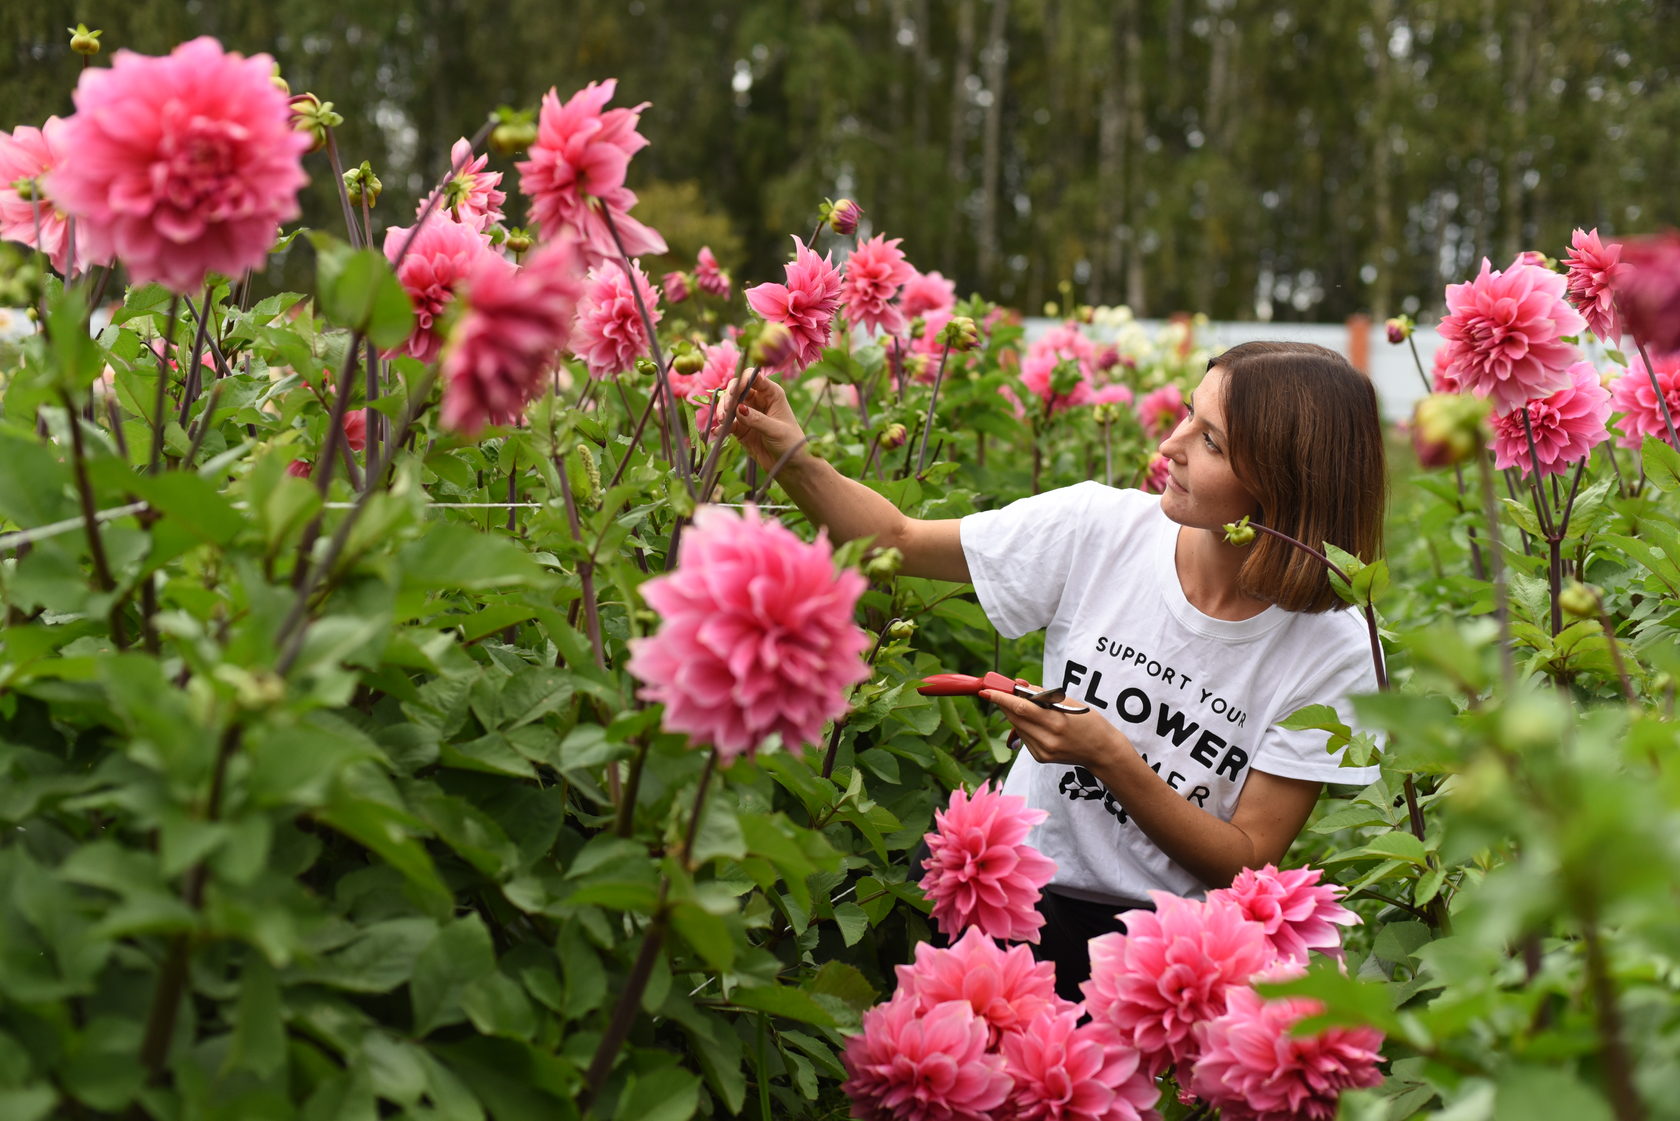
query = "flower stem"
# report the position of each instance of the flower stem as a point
(356, 241)
(1496, 567)
(436, 197)
(90, 518)
(1542, 511)
(162, 387)
(1618, 1070)
(933, 400)
(1418, 362)
(840, 722)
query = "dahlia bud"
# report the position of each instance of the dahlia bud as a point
(280, 83)
(960, 333)
(1065, 377)
(515, 132)
(1239, 533)
(918, 327)
(894, 435)
(883, 564)
(312, 115)
(518, 240)
(361, 183)
(1106, 413)
(1085, 313)
(298, 469)
(901, 628)
(1579, 601)
(687, 359)
(915, 365)
(1447, 428)
(590, 492)
(1108, 358)
(1052, 309)
(83, 41)
(1533, 257)
(28, 190)
(645, 367)
(1400, 329)
(676, 287)
(842, 217)
(774, 347)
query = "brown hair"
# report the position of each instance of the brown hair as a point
(1306, 440)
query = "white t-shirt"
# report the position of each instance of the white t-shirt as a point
(1199, 697)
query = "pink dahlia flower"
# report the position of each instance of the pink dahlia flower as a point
(874, 273)
(1155, 476)
(980, 869)
(708, 277)
(1567, 426)
(1253, 1069)
(1160, 411)
(432, 272)
(1114, 394)
(927, 292)
(676, 287)
(721, 361)
(355, 429)
(1067, 1071)
(1648, 290)
(1172, 970)
(1298, 913)
(1631, 395)
(183, 165)
(1014, 401)
(473, 197)
(1441, 376)
(29, 154)
(1591, 283)
(516, 324)
(756, 634)
(805, 305)
(1065, 343)
(582, 152)
(928, 342)
(1006, 988)
(610, 335)
(1505, 331)
(910, 1065)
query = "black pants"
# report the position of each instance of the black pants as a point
(1069, 926)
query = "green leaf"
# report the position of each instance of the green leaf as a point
(852, 921)
(1542, 1093)
(778, 1000)
(358, 289)
(30, 1103)
(669, 1094)
(496, 1005)
(707, 933)
(385, 831)
(259, 1037)
(1397, 846)
(458, 956)
(454, 556)
(1662, 464)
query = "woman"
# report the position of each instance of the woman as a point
(1188, 649)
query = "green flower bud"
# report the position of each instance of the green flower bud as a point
(516, 131)
(842, 216)
(883, 564)
(83, 41)
(360, 183)
(960, 333)
(28, 190)
(894, 435)
(901, 628)
(518, 240)
(774, 346)
(1239, 533)
(1579, 601)
(312, 115)
(1399, 329)
(1447, 428)
(688, 360)
(280, 83)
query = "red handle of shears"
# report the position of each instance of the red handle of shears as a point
(965, 685)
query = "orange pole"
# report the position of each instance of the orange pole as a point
(1359, 342)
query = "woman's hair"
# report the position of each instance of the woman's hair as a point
(1305, 438)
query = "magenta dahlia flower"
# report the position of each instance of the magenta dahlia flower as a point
(355, 429)
(1155, 476)
(1253, 1069)
(1298, 913)
(805, 305)
(874, 273)
(610, 334)
(708, 277)
(1006, 988)
(1631, 395)
(474, 196)
(1591, 283)
(1567, 426)
(980, 869)
(911, 1065)
(182, 165)
(517, 322)
(1172, 970)
(1067, 1071)
(28, 154)
(927, 292)
(1160, 411)
(1648, 290)
(432, 272)
(1065, 343)
(581, 153)
(676, 287)
(1505, 331)
(756, 635)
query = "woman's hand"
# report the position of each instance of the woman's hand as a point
(764, 421)
(1081, 739)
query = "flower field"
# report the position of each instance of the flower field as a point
(414, 702)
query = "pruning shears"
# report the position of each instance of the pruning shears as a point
(964, 685)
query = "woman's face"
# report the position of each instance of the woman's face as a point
(1202, 489)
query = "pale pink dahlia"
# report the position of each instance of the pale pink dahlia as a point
(1113, 394)
(926, 292)
(676, 287)
(1505, 331)
(1160, 411)
(1298, 913)
(610, 334)
(980, 869)
(1648, 290)
(1253, 1069)
(874, 273)
(1006, 988)
(1172, 970)
(907, 1065)
(805, 305)
(1441, 376)
(1567, 425)
(473, 197)
(1632, 396)
(756, 634)
(1155, 476)
(28, 154)
(1591, 283)
(1057, 368)
(708, 277)
(432, 272)
(181, 165)
(1067, 1071)
(582, 152)
(517, 322)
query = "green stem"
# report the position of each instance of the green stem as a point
(162, 386)
(933, 400)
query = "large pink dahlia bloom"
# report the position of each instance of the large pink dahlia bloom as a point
(1648, 290)
(29, 154)
(756, 634)
(516, 323)
(1253, 1069)
(805, 305)
(1567, 426)
(1067, 1071)
(474, 196)
(1065, 343)
(708, 276)
(1591, 283)
(1631, 395)
(180, 165)
(981, 871)
(1006, 988)
(432, 272)
(1505, 331)
(927, 292)
(910, 1065)
(582, 152)
(1160, 411)
(1298, 913)
(874, 273)
(1172, 970)
(610, 334)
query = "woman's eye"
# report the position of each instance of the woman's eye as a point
(1208, 440)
